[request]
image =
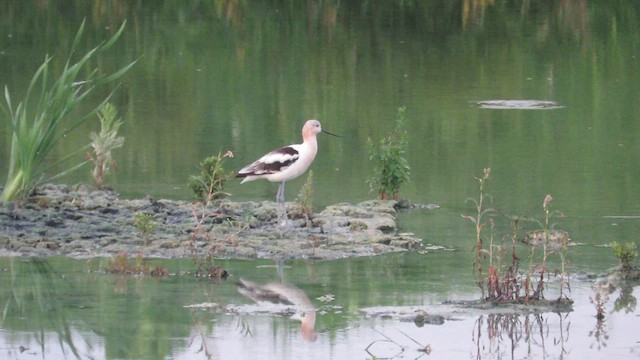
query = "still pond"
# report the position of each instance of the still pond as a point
(545, 93)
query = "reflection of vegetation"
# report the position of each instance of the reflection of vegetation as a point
(599, 334)
(599, 301)
(91, 314)
(33, 296)
(503, 280)
(36, 126)
(625, 301)
(524, 332)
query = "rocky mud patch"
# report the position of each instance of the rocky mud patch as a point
(80, 222)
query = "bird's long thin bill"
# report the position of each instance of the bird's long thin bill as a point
(326, 132)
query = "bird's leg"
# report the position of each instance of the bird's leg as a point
(280, 269)
(282, 212)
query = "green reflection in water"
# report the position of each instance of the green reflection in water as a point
(61, 306)
(145, 317)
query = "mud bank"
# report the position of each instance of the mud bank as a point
(80, 222)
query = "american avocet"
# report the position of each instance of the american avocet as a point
(281, 293)
(285, 163)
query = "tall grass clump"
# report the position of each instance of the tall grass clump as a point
(391, 170)
(36, 122)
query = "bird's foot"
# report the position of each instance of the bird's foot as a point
(285, 224)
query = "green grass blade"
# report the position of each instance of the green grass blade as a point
(36, 126)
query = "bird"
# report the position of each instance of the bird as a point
(281, 293)
(285, 163)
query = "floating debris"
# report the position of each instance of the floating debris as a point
(326, 298)
(518, 104)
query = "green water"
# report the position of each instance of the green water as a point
(233, 75)
(57, 308)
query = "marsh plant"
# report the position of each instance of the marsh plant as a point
(209, 184)
(391, 169)
(481, 219)
(104, 142)
(626, 254)
(304, 201)
(145, 224)
(47, 113)
(551, 242)
(122, 264)
(497, 259)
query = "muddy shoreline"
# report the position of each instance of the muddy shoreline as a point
(80, 222)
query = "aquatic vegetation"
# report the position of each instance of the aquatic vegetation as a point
(46, 109)
(479, 221)
(552, 242)
(210, 183)
(304, 201)
(626, 254)
(146, 225)
(391, 169)
(504, 282)
(104, 142)
(123, 265)
(207, 187)
(206, 263)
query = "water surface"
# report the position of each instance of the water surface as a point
(230, 75)
(67, 308)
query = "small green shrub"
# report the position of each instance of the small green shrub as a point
(391, 169)
(626, 254)
(146, 225)
(104, 142)
(210, 183)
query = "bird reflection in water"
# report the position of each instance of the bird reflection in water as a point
(281, 293)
